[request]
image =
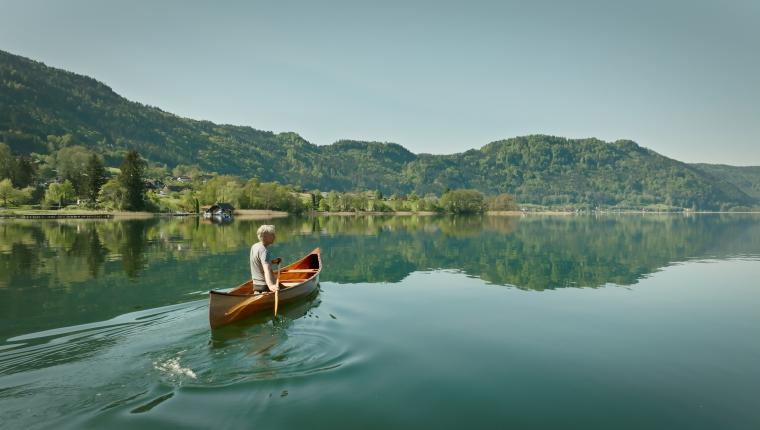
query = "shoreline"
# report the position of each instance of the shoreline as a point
(124, 215)
(373, 213)
(254, 214)
(258, 214)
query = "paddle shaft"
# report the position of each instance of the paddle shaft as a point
(256, 297)
(277, 291)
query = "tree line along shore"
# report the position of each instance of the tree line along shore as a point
(73, 181)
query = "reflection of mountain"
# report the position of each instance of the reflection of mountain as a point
(541, 252)
(76, 271)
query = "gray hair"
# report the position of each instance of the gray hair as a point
(264, 229)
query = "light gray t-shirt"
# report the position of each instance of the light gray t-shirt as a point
(259, 255)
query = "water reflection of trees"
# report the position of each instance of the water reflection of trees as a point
(75, 271)
(532, 253)
(539, 252)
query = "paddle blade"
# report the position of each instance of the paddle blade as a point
(276, 300)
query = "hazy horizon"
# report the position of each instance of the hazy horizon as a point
(436, 78)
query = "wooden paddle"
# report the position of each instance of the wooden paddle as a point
(277, 291)
(255, 297)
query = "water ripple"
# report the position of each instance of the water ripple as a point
(296, 344)
(126, 365)
(64, 345)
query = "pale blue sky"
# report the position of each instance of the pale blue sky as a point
(682, 78)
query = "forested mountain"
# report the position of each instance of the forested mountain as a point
(553, 171)
(746, 178)
(43, 109)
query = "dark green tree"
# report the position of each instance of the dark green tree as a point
(24, 172)
(6, 162)
(19, 169)
(131, 177)
(96, 177)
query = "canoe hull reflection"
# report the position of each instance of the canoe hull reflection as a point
(297, 280)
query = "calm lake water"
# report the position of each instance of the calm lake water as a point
(420, 322)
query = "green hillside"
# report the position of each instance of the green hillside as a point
(40, 104)
(746, 178)
(553, 171)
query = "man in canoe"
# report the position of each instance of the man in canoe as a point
(262, 262)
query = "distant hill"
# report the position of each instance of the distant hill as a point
(746, 178)
(39, 101)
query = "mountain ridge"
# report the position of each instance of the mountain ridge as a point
(40, 101)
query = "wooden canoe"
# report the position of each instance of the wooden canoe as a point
(297, 280)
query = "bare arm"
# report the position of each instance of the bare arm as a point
(268, 277)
